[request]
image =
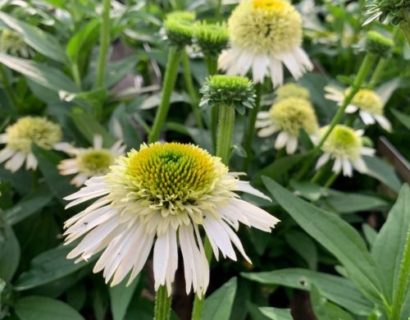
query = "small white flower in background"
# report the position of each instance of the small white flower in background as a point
(22, 135)
(367, 102)
(287, 116)
(345, 147)
(264, 34)
(159, 198)
(89, 162)
(11, 42)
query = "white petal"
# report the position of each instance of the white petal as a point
(6, 154)
(360, 165)
(3, 138)
(218, 237)
(367, 118)
(291, 145)
(276, 72)
(266, 132)
(337, 166)
(15, 162)
(384, 123)
(322, 160)
(281, 140)
(259, 68)
(347, 167)
(97, 141)
(31, 162)
(245, 186)
(367, 151)
(351, 109)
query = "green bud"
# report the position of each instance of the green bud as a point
(212, 38)
(179, 27)
(379, 44)
(235, 91)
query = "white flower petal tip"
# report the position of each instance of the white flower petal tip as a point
(128, 219)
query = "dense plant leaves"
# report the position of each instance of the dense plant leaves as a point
(402, 117)
(43, 74)
(77, 41)
(35, 308)
(276, 314)
(334, 288)
(213, 309)
(120, 298)
(39, 40)
(336, 235)
(390, 243)
(9, 252)
(47, 267)
(382, 171)
(29, 205)
(325, 310)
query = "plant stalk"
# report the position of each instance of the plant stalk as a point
(162, 304)
(170, 77)
(7, 88)
(104, 44)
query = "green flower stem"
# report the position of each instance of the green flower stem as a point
(364, 69)
(162, 304)
(7, 88)
(250, 130)
(402, 283)
(378, 72)
(226, 123)
(76, 74)
(171, 72)
(191, 89)
(212, 65)
(331, 180)
(104, 44)
(318, 175)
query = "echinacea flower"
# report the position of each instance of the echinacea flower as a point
(288, 117)
(212, 38)
(345, 147)
(20, 138)
(179, 27)
(160, 197)
(11, 42)
(367, 102)
(264, 34)
(89, 162)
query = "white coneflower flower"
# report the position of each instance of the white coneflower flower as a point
(345, 146)
(158, 197)
(20, 137)
(288, 117)
(89, 162)
(263, 35)
(366, 101)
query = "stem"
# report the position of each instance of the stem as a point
(357, 83)
(212, 66)
(250, 131)
(331, 179)
(318, 175)
(171, 71)
(226, 123)
(76, 74)
(7, 88)
(191, 89)
(104, 44)
(381, 65)
(405, 27)
(162, 304)
(402, 283)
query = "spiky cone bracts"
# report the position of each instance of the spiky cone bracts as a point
(160, 198)
(179, 27)
(20, 138)
(397, 11)
(211, 38)
(345, 148)
(264, 36)
(366, 101)
(234, 91)
(291, 90)
(287, 118)
(89, 162)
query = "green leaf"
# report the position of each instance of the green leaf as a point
(43, 74)
(77, 41)
(35, 308)
(89, 127)
(276, 314)
(9, 252)
(402, 117)
(382, 171)
(341, 202)
(280, 168)
(29, 205)
(334, 288)
(304, 246)
(213, 309)
(336, 235)
(390, 242)
(325, 310)
(370, 234)
(47, 267)
(120, 297)
(39, 40)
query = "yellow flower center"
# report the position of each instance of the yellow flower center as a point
(343, 141)
(369, 101)
(29, 130)
(291, 90)
(265, 26)
(172, 174)
(95, 162)
(293, 114)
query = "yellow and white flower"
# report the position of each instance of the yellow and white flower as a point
(89, 162)
(345, 147)
(160, 197)
(264, 34)
(367, 102)
(287, 116)
(20, 137)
